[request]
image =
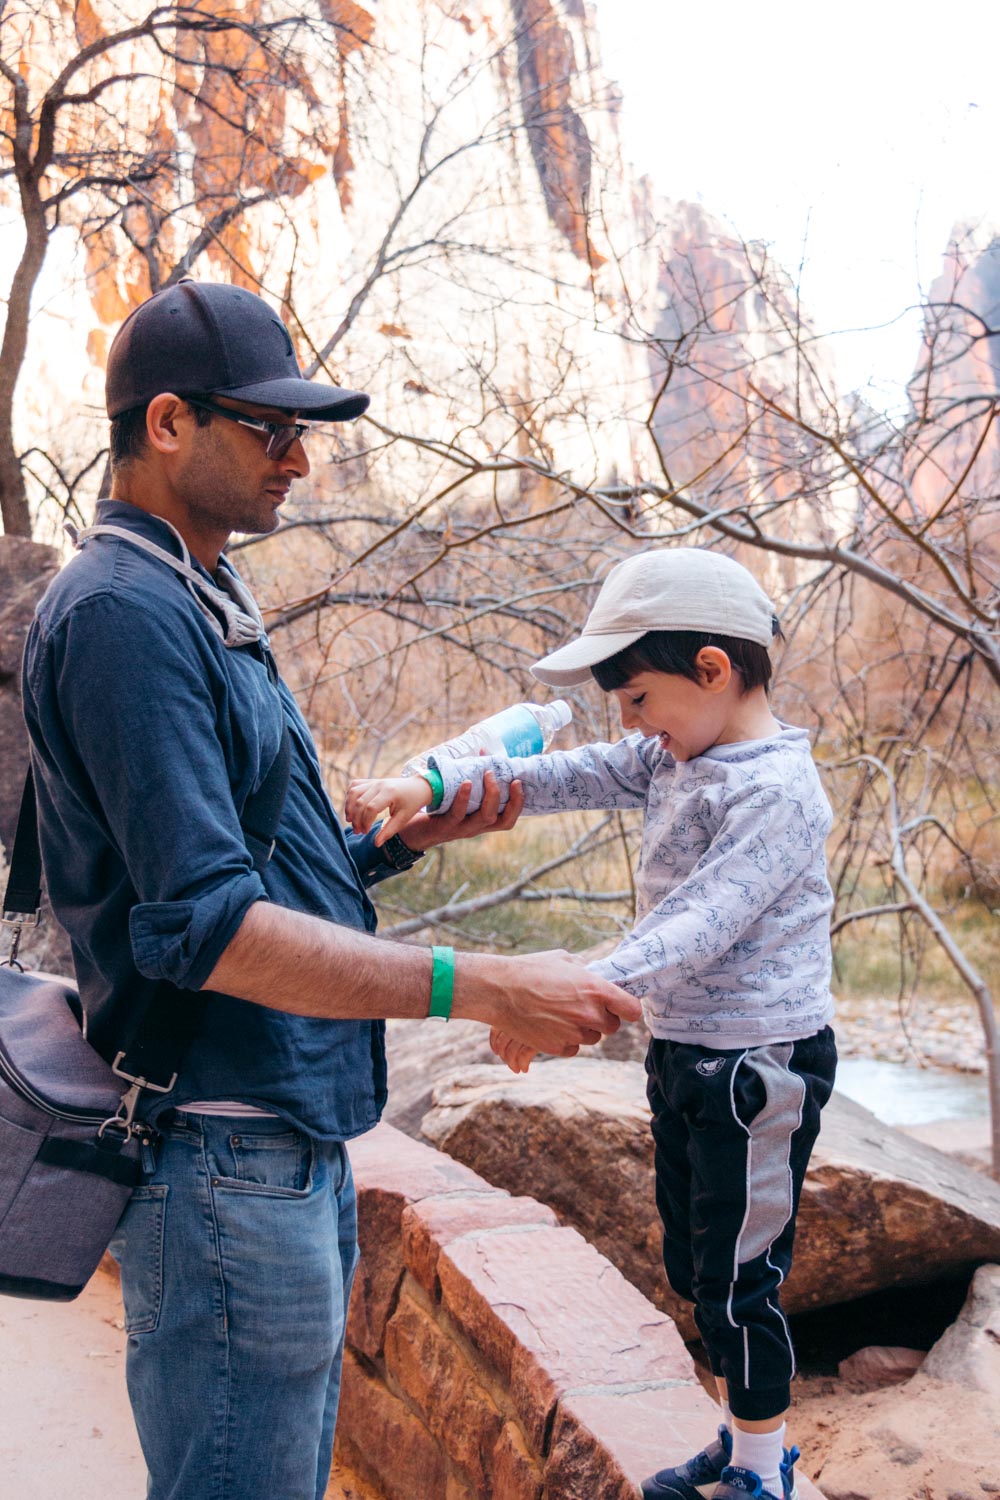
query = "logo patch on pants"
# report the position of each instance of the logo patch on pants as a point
(709, 1066)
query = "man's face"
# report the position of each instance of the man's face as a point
(227, 482)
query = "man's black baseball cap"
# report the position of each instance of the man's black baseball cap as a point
(198, 338)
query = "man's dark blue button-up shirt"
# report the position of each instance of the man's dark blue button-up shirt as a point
(148, 735)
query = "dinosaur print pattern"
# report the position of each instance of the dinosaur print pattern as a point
(732, 934)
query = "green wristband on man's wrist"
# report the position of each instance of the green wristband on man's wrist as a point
(435, 781)
(442, 982)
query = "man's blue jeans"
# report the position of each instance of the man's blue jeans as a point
(237, 1255)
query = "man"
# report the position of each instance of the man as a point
(155, 710)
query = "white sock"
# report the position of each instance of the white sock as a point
(761, 1453)
(727, 1415)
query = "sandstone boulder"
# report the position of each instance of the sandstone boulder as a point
(968, 1354)
(967, 1140)
(421, 1052)
(937, 1435)
(25, 570)
(878, 1208)
(880, 1365)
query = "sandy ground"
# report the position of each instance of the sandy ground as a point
(65, 1424)
(66, 1428)
(822, 1407)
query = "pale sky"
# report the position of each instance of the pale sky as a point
(855, 133)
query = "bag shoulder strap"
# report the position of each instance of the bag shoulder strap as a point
(23, 895)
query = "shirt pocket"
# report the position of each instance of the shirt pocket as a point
(258, 720)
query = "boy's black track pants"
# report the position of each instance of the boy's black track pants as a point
(733, 1132)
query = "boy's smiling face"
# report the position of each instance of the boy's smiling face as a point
(687, 717)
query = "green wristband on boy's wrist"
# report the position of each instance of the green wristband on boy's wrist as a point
(435, 781)
(442, 982)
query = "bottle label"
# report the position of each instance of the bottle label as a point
(520, 732)
(514, 731)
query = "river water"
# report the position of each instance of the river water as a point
(904, 1094)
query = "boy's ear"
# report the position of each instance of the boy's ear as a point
(715, 670)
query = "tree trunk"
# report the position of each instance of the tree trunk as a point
(13, 496)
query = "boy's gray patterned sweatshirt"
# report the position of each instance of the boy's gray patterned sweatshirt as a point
(731, 946)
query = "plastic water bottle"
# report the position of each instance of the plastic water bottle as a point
(522, 729)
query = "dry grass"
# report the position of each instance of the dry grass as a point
(870, 962)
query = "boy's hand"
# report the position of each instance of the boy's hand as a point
(517, 1055)
(428, 829)
(402, 797)
(551, 1002)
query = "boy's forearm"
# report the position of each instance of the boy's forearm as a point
(590, 776)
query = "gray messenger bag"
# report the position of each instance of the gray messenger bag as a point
(71, 1126)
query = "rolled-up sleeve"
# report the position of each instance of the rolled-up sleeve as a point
(372, 864)
(183, 940)
(147, 719)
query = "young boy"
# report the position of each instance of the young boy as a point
(730, 955)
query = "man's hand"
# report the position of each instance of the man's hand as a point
(546, 1002)
(426, 830)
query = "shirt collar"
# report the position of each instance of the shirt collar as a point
(225, 600)
(143, 523)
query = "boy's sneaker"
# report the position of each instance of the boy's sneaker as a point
(698, 1479)
(736, 1483)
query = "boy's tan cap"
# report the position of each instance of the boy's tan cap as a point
(677, 588)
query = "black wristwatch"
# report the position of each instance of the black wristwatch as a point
(399, 855)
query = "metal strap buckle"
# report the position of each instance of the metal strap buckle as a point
(17, 920)
(124, 1119)
(138, 1081)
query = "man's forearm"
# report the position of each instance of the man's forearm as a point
(290, 961)
(293, 962)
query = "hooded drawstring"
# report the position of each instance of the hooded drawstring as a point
(230, 598)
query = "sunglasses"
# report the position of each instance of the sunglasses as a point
(280, 435)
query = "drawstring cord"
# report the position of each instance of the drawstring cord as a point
(244, 624)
